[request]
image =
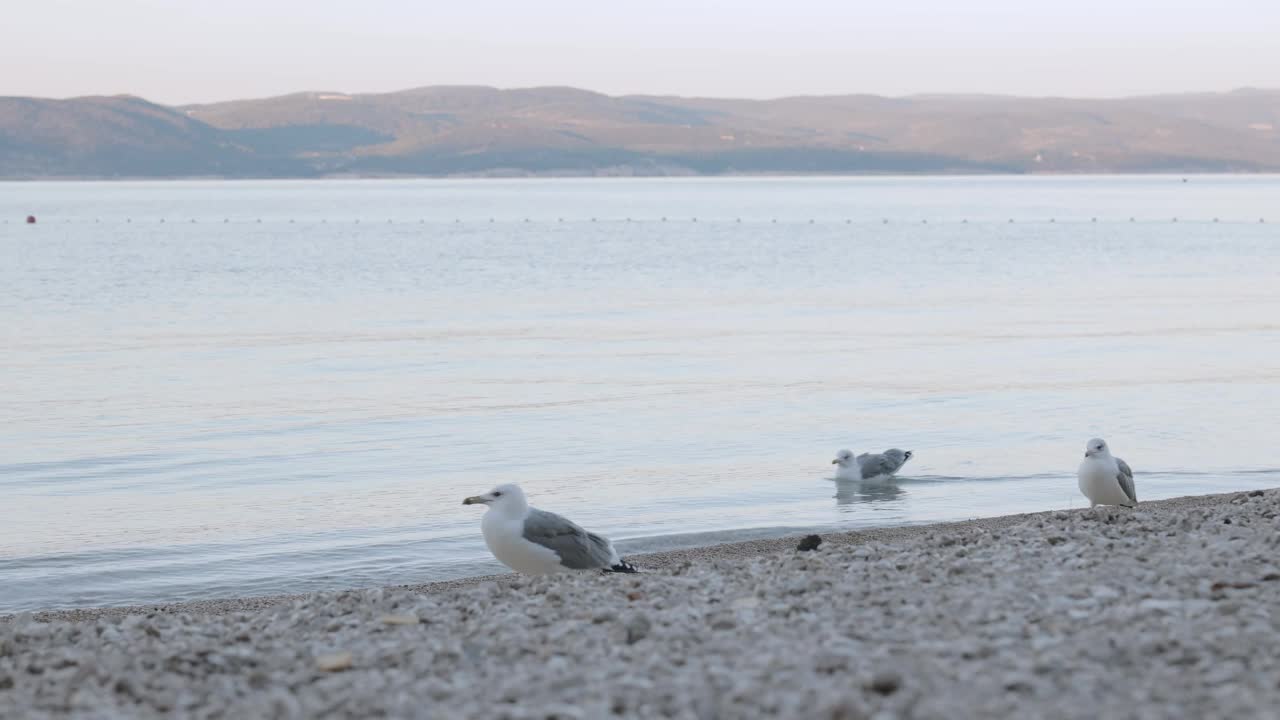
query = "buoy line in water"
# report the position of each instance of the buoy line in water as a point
(1093, 220)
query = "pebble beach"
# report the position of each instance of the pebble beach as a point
(1171, 609)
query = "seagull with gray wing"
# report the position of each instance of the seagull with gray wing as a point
(536, 542)
(1104, 478)
(870, 466)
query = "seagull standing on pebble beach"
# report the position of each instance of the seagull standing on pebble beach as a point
(536, 542)
(870, 466)
(1105, 479)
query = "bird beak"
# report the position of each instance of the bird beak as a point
(476, 500)
(836, 461)
(1088, 453)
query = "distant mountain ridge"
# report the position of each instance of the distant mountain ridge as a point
(471, 130)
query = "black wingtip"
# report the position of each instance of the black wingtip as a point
(623, 567)
(908, 454)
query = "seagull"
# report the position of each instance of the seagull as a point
(536, 542)
(1105, 479)
(868, 466)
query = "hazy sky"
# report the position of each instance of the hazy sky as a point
(197, 50)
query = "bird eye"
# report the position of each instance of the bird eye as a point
(497, 494)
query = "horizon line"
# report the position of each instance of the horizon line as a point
(622, 96)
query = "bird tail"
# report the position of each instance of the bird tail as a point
(622, 566)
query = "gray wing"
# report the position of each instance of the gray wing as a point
(577, 548)
(1126, 480)
(886, 463)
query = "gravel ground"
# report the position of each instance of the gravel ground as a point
(1169, 610)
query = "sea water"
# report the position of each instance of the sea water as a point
(214, 388)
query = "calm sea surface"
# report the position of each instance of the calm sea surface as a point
(214, 389)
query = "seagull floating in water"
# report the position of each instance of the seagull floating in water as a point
(536, 542)
(1104, 478)
(870, 466)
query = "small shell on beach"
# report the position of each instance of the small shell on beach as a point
(399, 620)
(334, 662)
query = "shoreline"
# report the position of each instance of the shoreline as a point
(1166, 610)
(657, 561)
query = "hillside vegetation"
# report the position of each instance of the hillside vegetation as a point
(486, 131)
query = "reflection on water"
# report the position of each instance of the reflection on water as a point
(208, 409)
(859, 491)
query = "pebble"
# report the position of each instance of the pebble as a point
(637, 629)
(399, 620)
(886, 682)
(334, 662)
(809, 543)
(724, 623)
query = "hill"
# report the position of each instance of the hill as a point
(118, 137)
(451, 130)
